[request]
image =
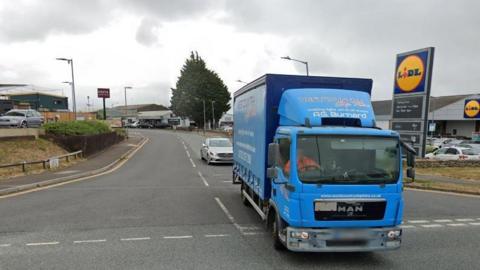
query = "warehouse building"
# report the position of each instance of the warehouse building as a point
(447, 112)
(40, 101)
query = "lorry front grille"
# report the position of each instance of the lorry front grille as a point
(350, 210)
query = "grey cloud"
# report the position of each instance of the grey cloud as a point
(361, 38)
(170, 10)
(147, 32)
(36, 20)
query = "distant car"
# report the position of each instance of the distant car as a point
(21, 118)
(132, 124)
(144, 125)
(217, 150)
(470, 144)
(454, 153)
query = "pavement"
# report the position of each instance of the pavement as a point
(94, 162)
(166, 209)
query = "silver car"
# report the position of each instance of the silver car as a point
(21, 118)
(217, 150)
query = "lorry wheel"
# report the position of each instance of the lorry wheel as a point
(245, 201)
(277, 226)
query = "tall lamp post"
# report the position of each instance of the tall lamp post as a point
(126, 110)
(213, 114)
(70, 62)
(296, 60)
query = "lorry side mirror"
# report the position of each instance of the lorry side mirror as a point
(272, 172)
(273, 150)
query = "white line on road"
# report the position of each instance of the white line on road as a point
(227, 213)
(188, 154)
(407, 226)
(135, 239)
(43, 244)
(178, 237)
(464, 219)
(203, 179)
(418, 221)
(193, 163)
(5, 245)
(216, 235)
(252, 233)
(431, 225)
(456, 224)
(90, 241)
(442, 220)
(474, 223)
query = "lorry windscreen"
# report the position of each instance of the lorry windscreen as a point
(338, 159)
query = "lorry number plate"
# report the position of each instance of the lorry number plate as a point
(326, 206)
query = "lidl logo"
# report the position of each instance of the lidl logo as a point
(410, 73)
(472, 108)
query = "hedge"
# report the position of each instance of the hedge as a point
(77, 128)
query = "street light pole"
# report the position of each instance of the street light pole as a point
(74, 105)
(125, 110)
(213, 114)
(296, 60)
(204, 117)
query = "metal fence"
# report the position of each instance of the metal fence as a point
(44, 163)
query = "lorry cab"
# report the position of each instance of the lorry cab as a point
(313, 164)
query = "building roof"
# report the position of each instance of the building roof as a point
(34, 93)
(384, 107)
(142, 107)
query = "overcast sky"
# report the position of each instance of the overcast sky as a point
(144, 43)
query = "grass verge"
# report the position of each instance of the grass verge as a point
(467, 173)
(473, 188)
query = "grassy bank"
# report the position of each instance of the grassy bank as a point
(467, 173)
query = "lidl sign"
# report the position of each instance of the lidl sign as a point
(472, 108)
(411, 72)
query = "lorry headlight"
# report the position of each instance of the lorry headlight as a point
(394, 234)
(300, 235)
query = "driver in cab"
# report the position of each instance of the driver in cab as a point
(304, 163)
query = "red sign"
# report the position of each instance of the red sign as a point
(103, 92)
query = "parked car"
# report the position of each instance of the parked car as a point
(455, 153)
(132, 124)
(217, 150)
(21, 119)
(144, 125)
(470, 144)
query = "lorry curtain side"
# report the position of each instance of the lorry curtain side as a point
(263, 96)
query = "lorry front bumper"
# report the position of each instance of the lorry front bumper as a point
(343, 240)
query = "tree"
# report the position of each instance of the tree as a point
(198, 84)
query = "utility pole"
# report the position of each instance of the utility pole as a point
(213, 114)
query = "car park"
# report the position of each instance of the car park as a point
(454, 153)
(217, 150)
(21, 118)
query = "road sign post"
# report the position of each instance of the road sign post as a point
(411, 96)
(104, 93)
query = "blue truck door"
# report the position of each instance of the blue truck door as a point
(280, 192)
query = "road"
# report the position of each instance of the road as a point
(165, 209)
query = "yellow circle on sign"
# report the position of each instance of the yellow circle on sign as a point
(472, 108)
(410, 73)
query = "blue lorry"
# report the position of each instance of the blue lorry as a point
(343, 190)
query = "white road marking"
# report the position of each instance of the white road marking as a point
(135, 239)
(193, 164)
(216, 235)
(188, 154)
(90, 241)
(252, 228)
(252, 233)
(407, 226)
(418, 221)
(227, 213)
(456, 224)
(474, 223)
(203, 179)
(178, 237)
(431, 225)
(5, 245)
(442, 220)
(43, 244)
(464, 219)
